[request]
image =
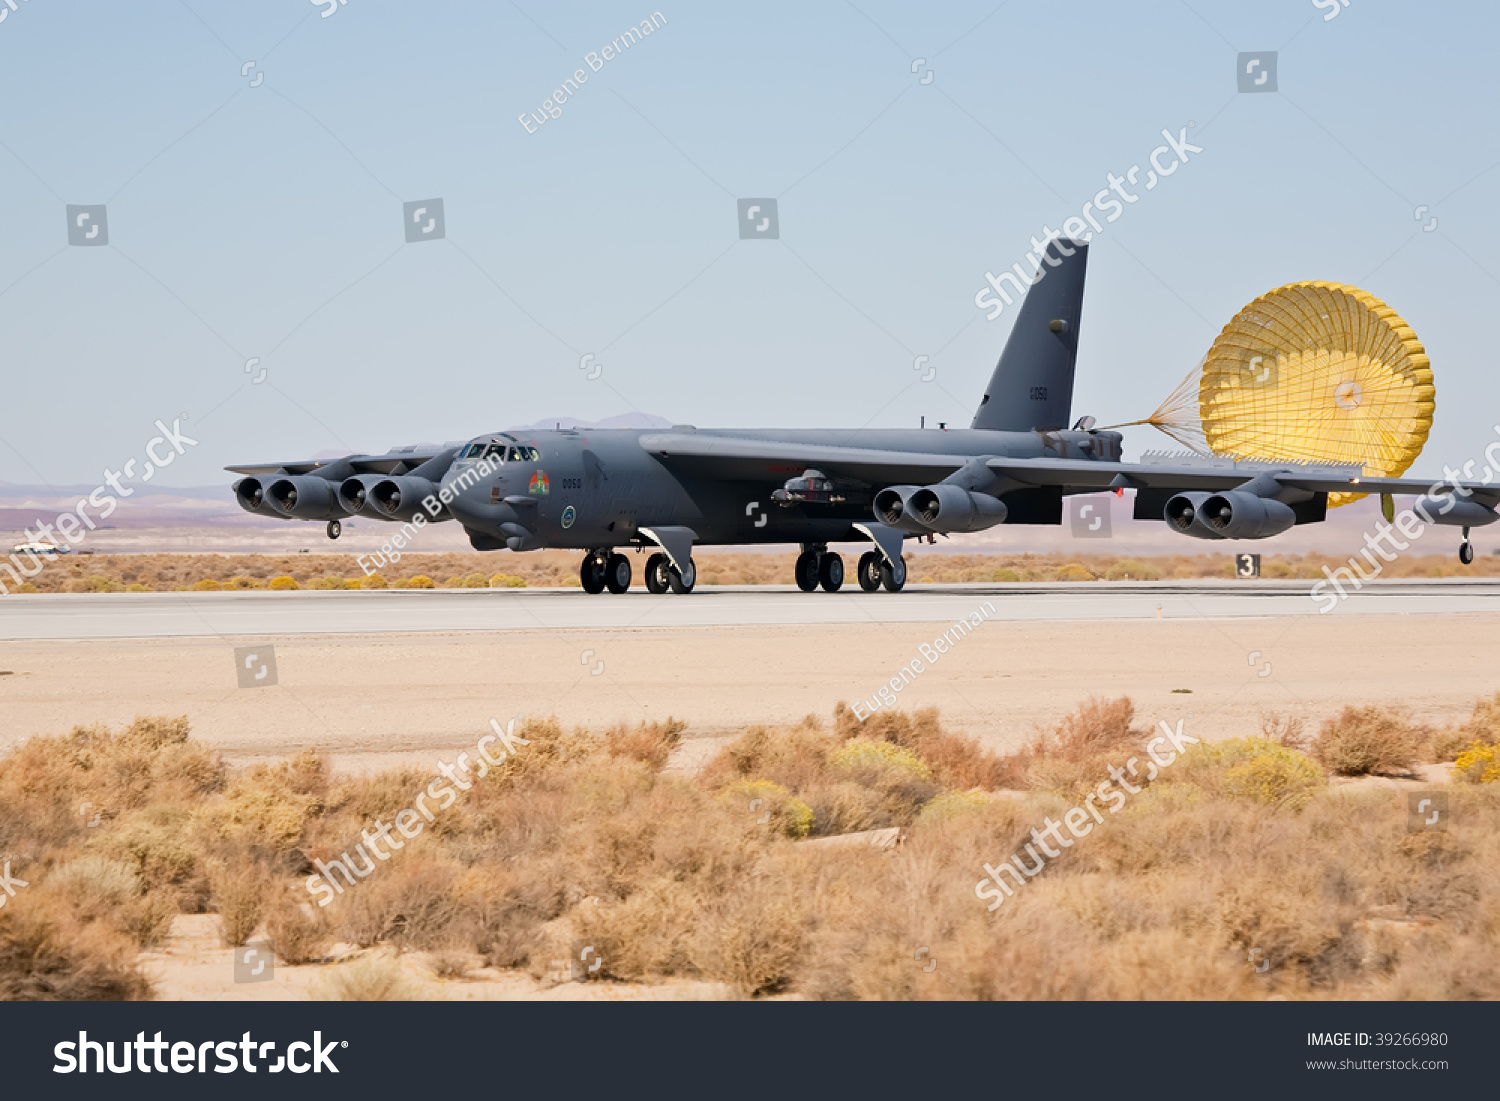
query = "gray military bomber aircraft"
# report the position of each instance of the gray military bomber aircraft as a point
(667, 491)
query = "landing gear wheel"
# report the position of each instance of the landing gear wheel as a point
(1466, 552)
(617, 573)
(658, 575)
(806, 571)
(682, 582)
(893, 575)
(335, 529)
(831, 573)
(591, 574)
(869, 571)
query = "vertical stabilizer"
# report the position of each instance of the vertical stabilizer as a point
(1032, 387)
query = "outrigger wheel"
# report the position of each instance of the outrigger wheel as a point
(1466, 549)
(335, 529)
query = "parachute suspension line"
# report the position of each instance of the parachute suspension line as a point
(1179, 415)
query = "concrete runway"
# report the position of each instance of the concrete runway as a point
(67, 617)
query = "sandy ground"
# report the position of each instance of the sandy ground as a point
(371, 702)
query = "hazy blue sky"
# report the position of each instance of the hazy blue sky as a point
(267, 221)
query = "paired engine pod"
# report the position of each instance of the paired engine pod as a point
(1237, 515)
(305, 497)
(950, 508)
(893, 508)
(1184, 515)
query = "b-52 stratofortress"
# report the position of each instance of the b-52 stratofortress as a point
(666, 492)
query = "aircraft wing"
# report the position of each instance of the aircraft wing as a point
(407, 459)
(761, 460)
(753, 459)
(1076, 475)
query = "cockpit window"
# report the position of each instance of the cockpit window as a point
(495, 452)
(524, 454)
(473, 451)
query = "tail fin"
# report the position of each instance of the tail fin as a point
(1032, 387)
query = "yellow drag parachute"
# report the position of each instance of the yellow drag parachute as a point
(1313, 372)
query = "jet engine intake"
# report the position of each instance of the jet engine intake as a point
(893, 508)
(1183, 515)
(305, 497)
(1237, 515)
(950, 508)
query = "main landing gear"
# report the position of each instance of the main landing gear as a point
(661, 575)
(607, 569)
(1466, 549)
(604, 569)
(818, 567)
(335, 529)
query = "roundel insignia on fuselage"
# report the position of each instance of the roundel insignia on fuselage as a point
(569, 515)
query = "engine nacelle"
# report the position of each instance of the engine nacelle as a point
(379, 497)
(306, 497)
(1183, 515)
(1461, 513)
(950, 508)
(894, 509)
(1236, 515)
(250, 494)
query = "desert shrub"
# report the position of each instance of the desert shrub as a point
(1448, 744)
(376, 978)
(1289, 731)
(421, 581)
(1072, 571)
(651, 742)
(645, 934)
(502, 912)
(374, 581)
(758, 799)
(206, 585)
(95, 886)
(1075, 755)
(507, 581)
(753, 939)
(237, 893)
(1479, 764)
(1253, 768)
(1370, 739)
(1133, 569)
(242, 582)
(158, 844)
(951, 804)
(955, 761)
(328, 581)
(298, 931)
(46, 955)
(137, 587)
(409, 903)
(867, 756)
(282, 583)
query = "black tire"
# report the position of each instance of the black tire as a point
(831, 573)
(591, 575)
(807, 571)
(657, 577)
(869, 571)
(617, 573)
(1466, 553)
(893, 577)
(335, 529)
(682, 583)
